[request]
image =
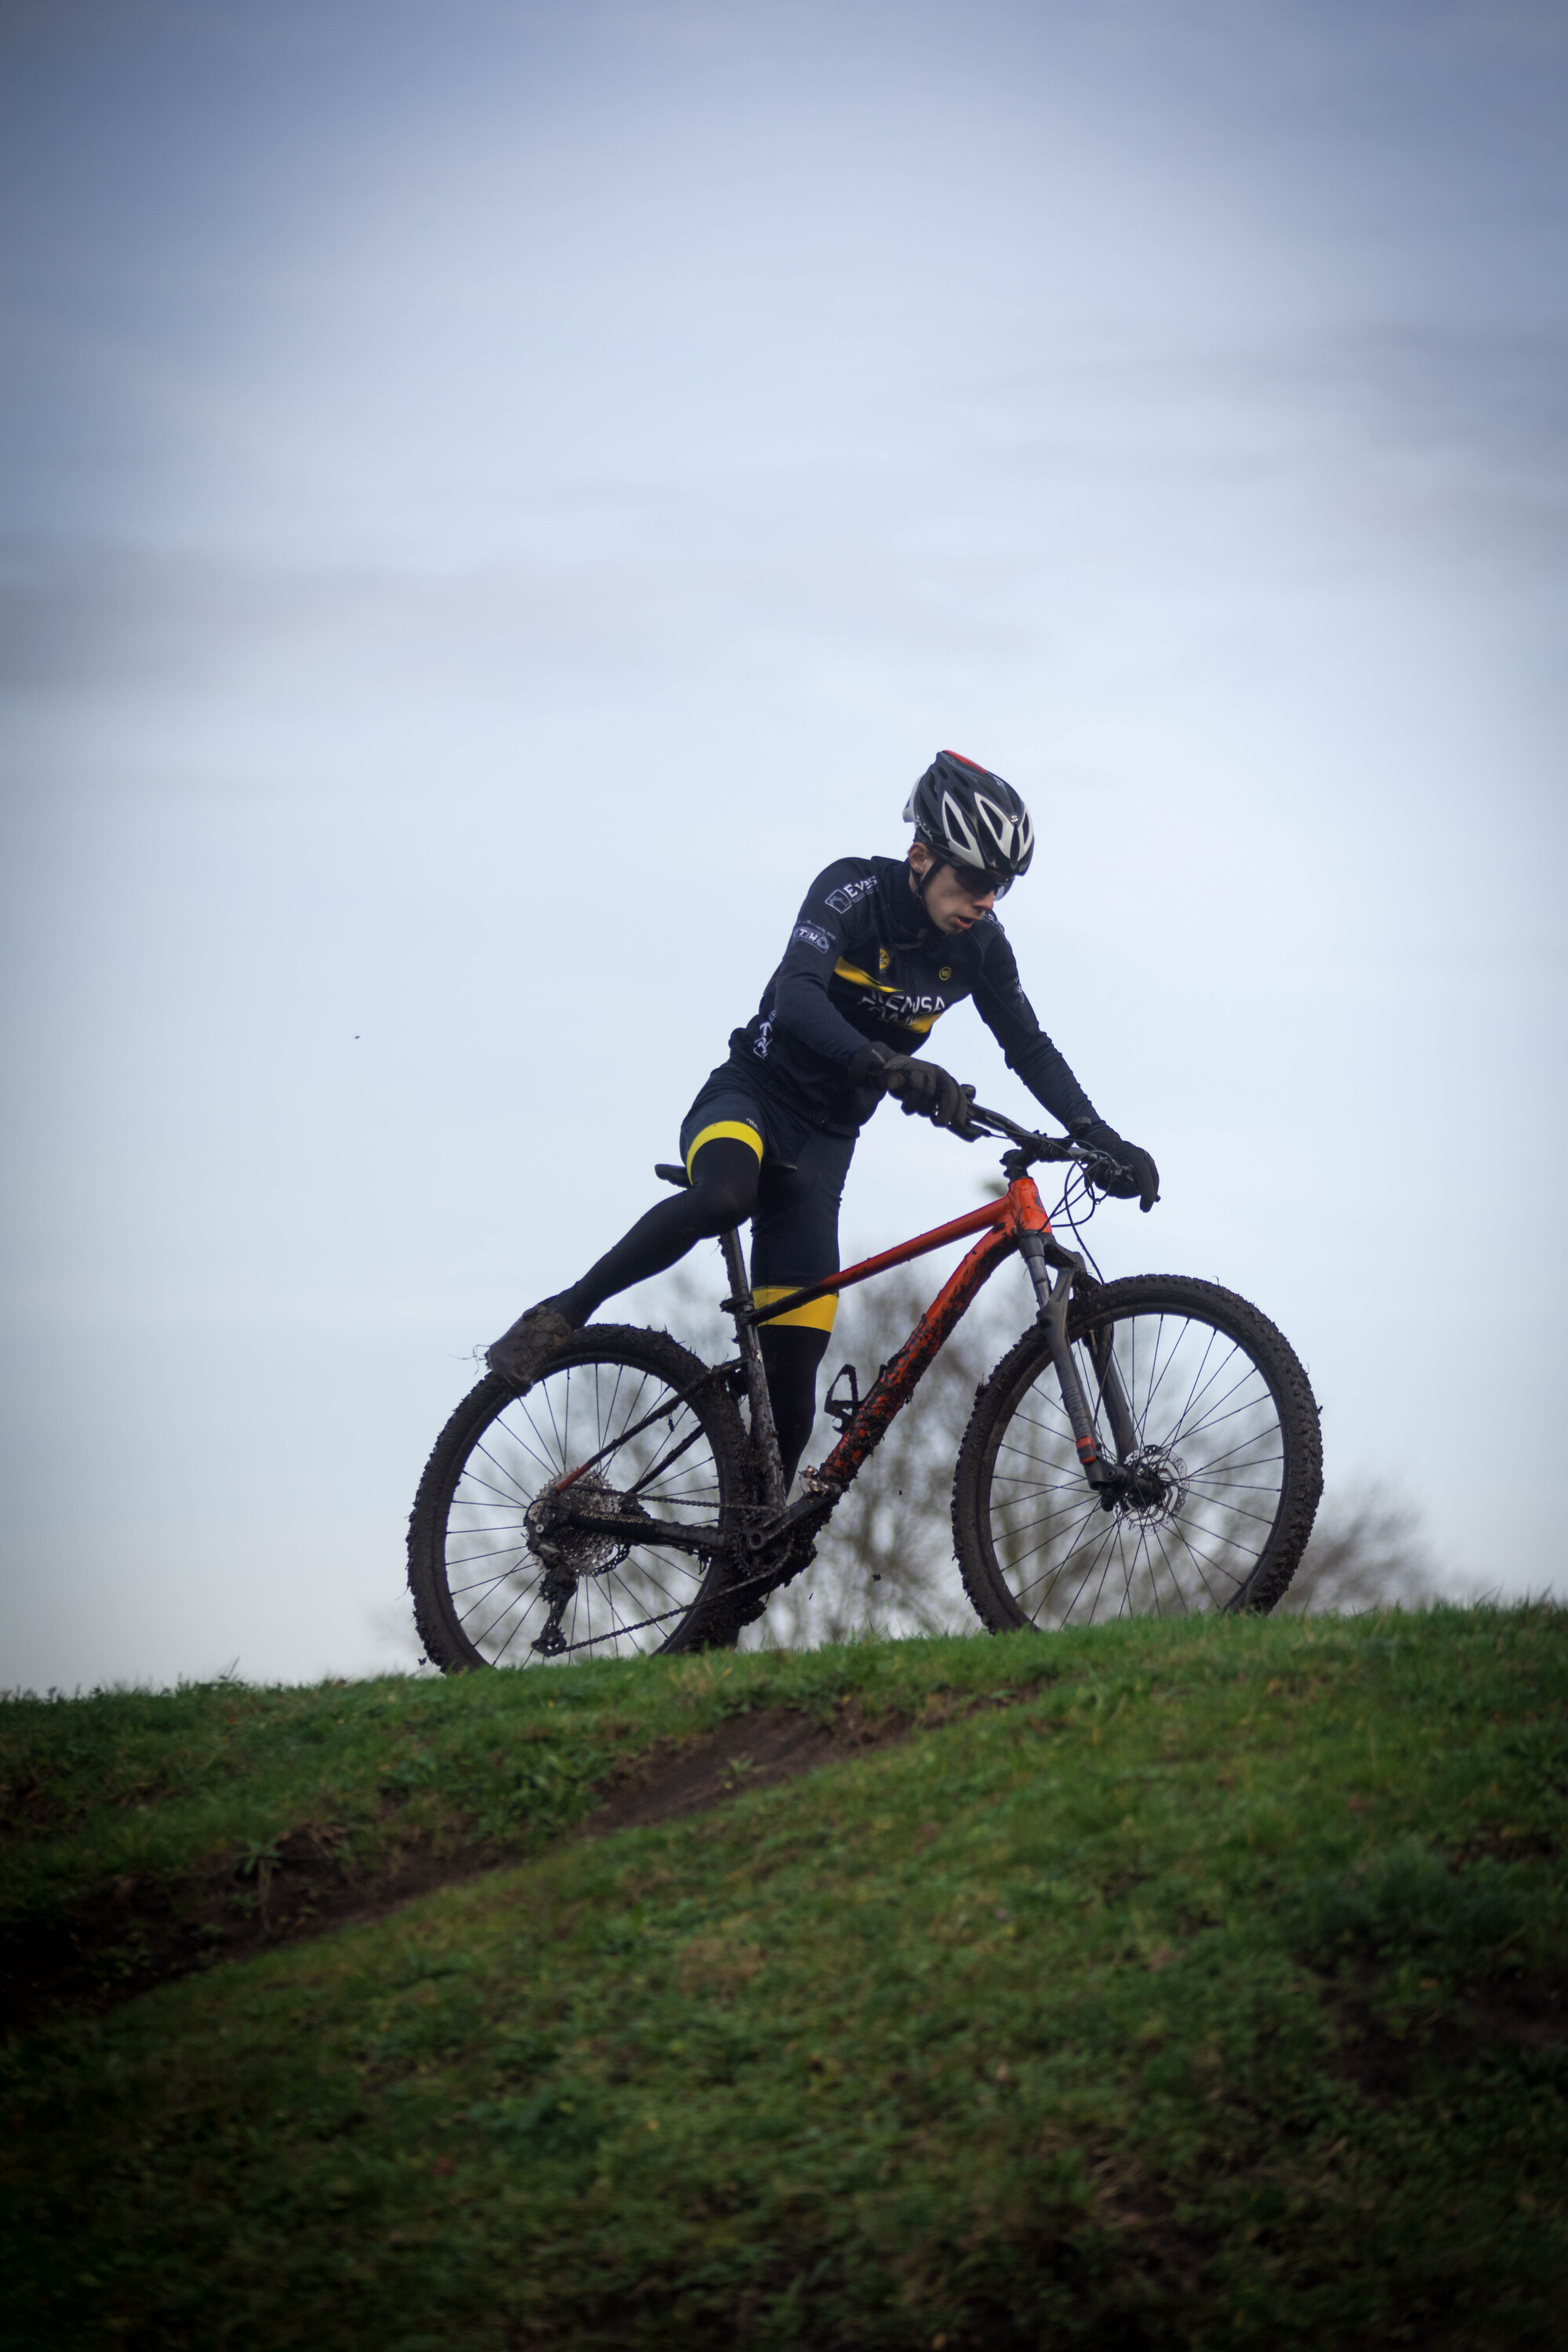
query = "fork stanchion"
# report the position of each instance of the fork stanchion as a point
(1055, 1298)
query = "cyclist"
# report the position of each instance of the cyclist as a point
(881, 948)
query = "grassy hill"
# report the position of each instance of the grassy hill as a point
(1168, 1985)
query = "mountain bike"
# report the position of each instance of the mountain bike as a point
(1149, 1445)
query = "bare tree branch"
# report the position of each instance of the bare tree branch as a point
(1367, 1551)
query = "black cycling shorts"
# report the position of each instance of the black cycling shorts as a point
(795, 1227)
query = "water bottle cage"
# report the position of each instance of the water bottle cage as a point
(843, 1410)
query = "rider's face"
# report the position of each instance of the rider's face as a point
(949, 905)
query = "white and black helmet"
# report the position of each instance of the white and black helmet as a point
(971, 819)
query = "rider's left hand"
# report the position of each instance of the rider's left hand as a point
(927, 1091)
(1137, 1180)
(924, 1087)
(947, 1112)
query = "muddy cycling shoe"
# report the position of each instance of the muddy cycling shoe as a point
(541, 1332)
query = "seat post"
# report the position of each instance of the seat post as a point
(765, 1436)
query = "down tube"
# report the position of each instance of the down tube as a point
(898, 1380)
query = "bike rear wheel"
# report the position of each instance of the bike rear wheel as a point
(1221, 1482)
(492, 1588)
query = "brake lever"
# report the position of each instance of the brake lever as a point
(1099, 1168)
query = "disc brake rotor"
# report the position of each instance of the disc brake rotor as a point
(1151, 1485)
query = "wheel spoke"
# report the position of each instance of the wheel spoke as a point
(467, 1558)
(1056, 1566)
(481, 1584)
(550, 1468)
(628, 1422)
(1198, 1510)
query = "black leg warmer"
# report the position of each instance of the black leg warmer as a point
(723, 1193)
(790, 1359)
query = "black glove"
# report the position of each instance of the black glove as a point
(920, 1087)
(1137, 1178)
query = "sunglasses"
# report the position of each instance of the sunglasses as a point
(979, 884)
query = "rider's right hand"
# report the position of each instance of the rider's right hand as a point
(924, 1087)
(1133, 1175)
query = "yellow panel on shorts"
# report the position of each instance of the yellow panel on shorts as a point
(725, 1126)
(816, 1316)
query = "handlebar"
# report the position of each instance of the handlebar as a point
(1097, 1166)
(981, 1123)
(1031, 1148)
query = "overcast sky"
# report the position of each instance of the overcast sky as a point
(495, 497)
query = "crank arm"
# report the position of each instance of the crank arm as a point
(806, 1513)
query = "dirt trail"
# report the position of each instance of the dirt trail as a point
(133, 1936)
(747, 1752)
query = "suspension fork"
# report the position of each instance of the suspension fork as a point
(765, 1436)
(1118, 1407)
(1055, 1299)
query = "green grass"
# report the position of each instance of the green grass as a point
(158, 1797)
(1209, 1995)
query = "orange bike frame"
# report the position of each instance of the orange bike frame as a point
(1000, 1223)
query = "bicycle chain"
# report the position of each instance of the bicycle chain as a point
(776, 1576)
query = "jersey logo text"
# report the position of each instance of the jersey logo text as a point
(898, 1005)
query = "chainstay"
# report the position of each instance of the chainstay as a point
(774, 1576)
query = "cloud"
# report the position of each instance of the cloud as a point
(155, 618)
(1110, 476)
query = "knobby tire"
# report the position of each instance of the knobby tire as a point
(480, 1591)
(1227, 1431)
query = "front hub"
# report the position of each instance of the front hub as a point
(1149, 1485)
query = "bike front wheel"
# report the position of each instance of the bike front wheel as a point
(496, 1584)
(1220, 1463)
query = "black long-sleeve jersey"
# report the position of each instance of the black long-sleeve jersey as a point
(863, 963)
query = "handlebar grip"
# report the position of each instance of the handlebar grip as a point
(966, 1132)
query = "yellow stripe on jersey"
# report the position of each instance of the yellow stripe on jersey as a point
(732, 1127)
(815, 1316)
(921, 1022)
